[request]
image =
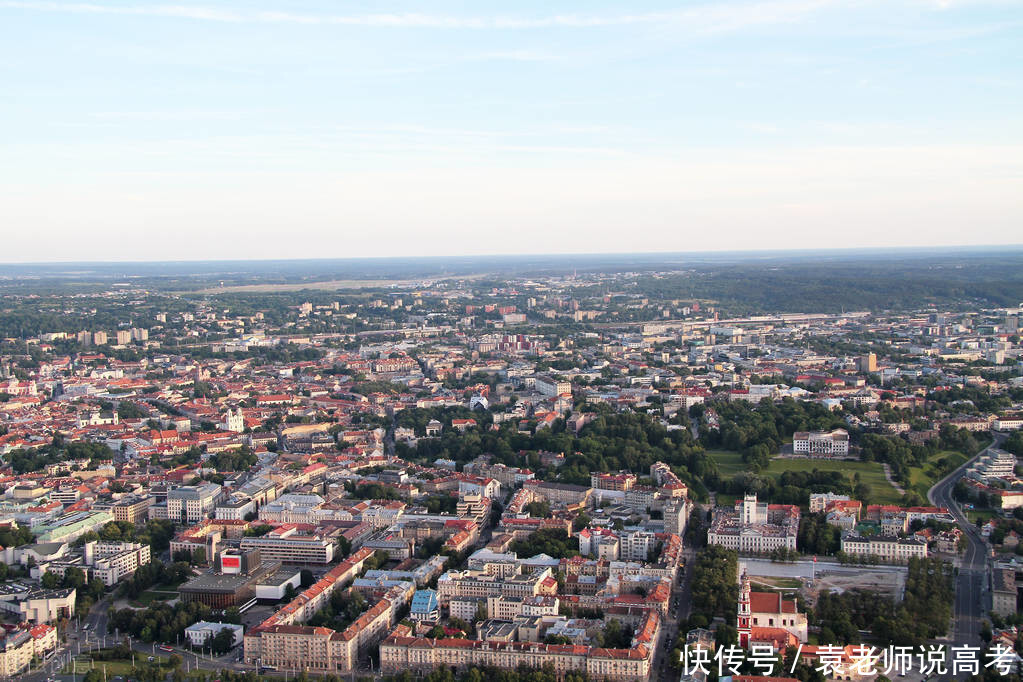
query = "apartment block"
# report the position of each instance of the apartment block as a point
(400, 651)
(132, 509)
(192, 503)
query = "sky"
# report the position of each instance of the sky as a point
(142, 130)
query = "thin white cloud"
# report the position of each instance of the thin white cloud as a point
(169, 115)
(762, 128)
(513, 56)
(710, 17)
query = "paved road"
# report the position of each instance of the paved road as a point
(80, 636)
(971, 593)
(90, 633)
(678, 609)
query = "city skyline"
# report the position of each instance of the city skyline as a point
(589, 472)
(216, 130)
(451, 341)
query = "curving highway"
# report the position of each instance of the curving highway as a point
(971, 595)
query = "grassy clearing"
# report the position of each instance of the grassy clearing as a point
(123, 667)
(922, 479)
(871, 473)
(729, 462)
(980, 514)
(150, 596)
(778, 583)
(82, 665)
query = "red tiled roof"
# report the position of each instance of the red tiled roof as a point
(770, 602)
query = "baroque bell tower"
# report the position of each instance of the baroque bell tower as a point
(744, 619)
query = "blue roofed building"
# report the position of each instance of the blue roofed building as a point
(425, 606)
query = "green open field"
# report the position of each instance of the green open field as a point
(777, 584)
(923, 478)
(729, 462)
(82, 664)
(982, 515)
(725, 500)
(149, 596)
(871, 473)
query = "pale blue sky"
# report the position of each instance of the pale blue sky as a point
(147, 130)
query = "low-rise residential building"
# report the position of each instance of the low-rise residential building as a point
(480, 584)
(621, 481)
(819, 501)
(559, 493)
(20, 645)
(1004, 592)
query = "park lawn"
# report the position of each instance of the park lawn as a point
(149, 596)
(980, 514)
(779, 583)
(117, 667)
(922, 479)
(729, 462)
(871, 473)
(123, 667)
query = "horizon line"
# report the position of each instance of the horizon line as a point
(595, 254)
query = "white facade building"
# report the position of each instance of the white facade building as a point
(755, 527)
(821, 443)
(233, 421)
(551, 387)
(884, 547)
(202, 632)
(112, 561)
